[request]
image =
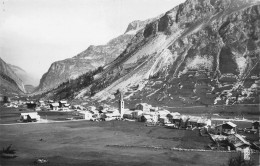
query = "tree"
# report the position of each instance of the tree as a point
(6, 99)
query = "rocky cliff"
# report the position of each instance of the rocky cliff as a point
(10, 83)
(200, 52)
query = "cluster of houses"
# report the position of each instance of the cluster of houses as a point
(143, 112)
(227, 133)
(14, 104)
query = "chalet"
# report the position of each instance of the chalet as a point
(255, 125)
(137, 113)
(29, 117)
(111, 116)
(164, 120)
(149, 117)
(50, 101)
(85, 115)
(145, 118)
(54, 106)
(65, 107)
(227, 128)
(128, 114)
(31, 105)
(183, 121)
(203, 122)
(62, 103)
(237, 142)
(143, 107)
(163, 113)
(192, 122)
(174, 119)
(41, 103)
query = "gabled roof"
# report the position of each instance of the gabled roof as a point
(231, 124)
(255, 122)
(63, 101)
(147, 116)
(203, 120)
(228, 123)
(55, 104)
(33, 115)
(194, 119)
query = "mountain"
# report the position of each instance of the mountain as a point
(200, 52)
(90, 59)
(24, 76)
(10, 83)
(29, 88)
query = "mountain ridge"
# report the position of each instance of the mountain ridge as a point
(89, 59)
(10, 82)
(193, 54)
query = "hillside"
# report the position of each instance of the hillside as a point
(88, 60)
(27, 78)
(200, 52)
(10, 83)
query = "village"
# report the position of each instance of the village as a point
(225, 134)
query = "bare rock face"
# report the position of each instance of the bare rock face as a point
(200, 52)
(9, 81)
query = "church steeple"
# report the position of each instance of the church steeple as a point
(121, 104)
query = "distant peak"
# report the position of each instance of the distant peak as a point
(134, 25)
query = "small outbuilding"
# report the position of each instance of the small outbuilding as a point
(255, 125)
(29, 117)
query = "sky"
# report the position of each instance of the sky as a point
(36, 33)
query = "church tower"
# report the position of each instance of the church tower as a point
(121, 105)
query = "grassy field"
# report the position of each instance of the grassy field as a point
(86, 143)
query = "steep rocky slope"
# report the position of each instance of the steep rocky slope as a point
(10, 83)
(90, 59)
(24, 76)
(200, 52)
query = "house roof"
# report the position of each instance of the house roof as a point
(231, 124)
(85, 112)
(147, 116)
(143, 104)
(203, 120)
(33, 115)
(137, 111)
(237, 140)
(163, 112)
(227, 123)
(194, 119)
(255, 122)
(55, 104)
(63, 101)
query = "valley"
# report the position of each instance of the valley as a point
(180, 88)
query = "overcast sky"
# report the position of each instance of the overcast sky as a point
(35, 33)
